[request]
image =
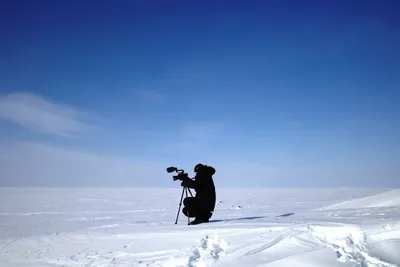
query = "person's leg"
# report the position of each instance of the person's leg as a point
(199, 211)
(190, 207)
(203, 215)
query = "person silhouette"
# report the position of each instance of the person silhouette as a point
(202, 205)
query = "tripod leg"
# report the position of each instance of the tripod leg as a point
(187, 189)
(180, 204)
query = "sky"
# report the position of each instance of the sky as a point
(272, 94)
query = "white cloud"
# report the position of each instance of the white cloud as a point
(44, 116)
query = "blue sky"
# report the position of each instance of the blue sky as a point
(288, 94)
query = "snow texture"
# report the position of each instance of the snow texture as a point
(209, 248)
(250, 227)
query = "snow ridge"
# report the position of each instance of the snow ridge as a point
(386, 199)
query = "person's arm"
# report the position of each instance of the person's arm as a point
(203, 183)
(187, 182)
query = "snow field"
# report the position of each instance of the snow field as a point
(121, 227)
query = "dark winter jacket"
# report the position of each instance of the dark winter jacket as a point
(204, 186)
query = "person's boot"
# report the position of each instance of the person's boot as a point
(198, 220)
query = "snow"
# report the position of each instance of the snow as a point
(386, 199)
(250, 227)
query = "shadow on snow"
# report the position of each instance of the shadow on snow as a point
(286, 214)
(252, 218)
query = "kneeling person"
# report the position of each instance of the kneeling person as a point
(200, 207)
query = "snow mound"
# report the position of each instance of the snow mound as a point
(210, 250)
(377, 247)
(386, 199)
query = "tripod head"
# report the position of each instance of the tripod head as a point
(181, 173)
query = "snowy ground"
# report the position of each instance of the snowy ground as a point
(136, 227)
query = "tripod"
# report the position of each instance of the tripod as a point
(184, 190)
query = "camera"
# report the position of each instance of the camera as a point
(181, 173)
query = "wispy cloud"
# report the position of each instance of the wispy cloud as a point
(151, 96)
(293, 175)
(192, 143)
(38, 164)
(196, 137)
(201, 132)
(44, 116)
